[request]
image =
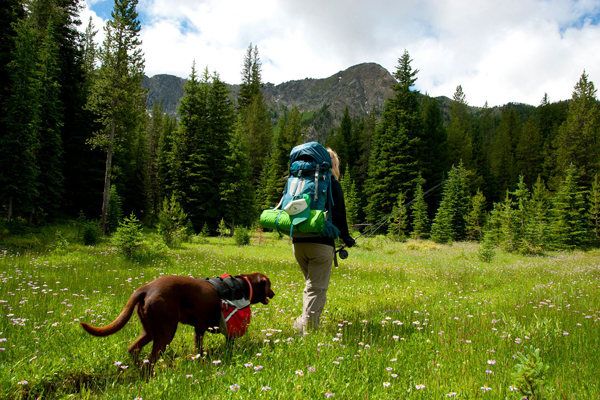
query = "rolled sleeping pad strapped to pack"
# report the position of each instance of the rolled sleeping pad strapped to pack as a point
(280, 221)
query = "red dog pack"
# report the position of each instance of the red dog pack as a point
(235, 313)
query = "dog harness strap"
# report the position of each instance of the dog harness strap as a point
(249, 286)
(235, 309)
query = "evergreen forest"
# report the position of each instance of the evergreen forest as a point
(78, 141)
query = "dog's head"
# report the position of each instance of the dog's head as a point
(261, 288)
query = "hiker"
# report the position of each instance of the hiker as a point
(315, 256)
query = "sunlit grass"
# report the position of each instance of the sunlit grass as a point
(403, 320)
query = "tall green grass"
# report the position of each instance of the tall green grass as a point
(413, 320)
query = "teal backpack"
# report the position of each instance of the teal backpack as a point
(303, 209)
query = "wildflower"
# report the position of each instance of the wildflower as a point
(566, 333)
(2, 340)
(146, 361)
(328, 394)
(394, 360)
(451, 394)
(396, 337)
(22, 383)
(32, 358)
(258, 367)
(336, 362)
(265, 388)
(386, 384)
(419, 386)
(299, 372)
(189, 376)
(513, 388)
(234, 387)
(216, 362)
(118, 363)
(394, 375)
(248, 364)
(491, 362)
(388, 369)
(486, 388)
(124, 367)
(258, 354)
(312, 369)
(489, 371)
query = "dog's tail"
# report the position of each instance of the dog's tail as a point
(119, 323)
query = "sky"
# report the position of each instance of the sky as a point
(498, 51)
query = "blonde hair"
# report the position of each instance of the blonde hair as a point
(335, 163)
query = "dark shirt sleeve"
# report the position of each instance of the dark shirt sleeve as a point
(339, 211)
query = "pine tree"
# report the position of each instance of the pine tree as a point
(435, 163)
(350, 198)
(11, 16)
(49, 157)
(502, 151)
(114, 214)
(237, 190)
(341, 140)
(165, 160)
(459, 137)
(568, 219)
(475, 218)
(578, 139)
(289, 133)
(255, 121)
(117, 96)
(201, 148)
(528, 155)
(154, 132)
(449, 222)
(522, 215)
(83, 165)
(397, 145)
(251, 77)
(398, 223)
(420, 217)
(506, 218)
(19, 143)
(483, 132)
(537, 226)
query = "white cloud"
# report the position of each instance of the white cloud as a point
(499, 51)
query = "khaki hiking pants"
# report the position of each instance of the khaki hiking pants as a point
(315, 261)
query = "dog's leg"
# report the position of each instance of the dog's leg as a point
(136, 346)
(163, 333)
(199, 339)
(144, 338)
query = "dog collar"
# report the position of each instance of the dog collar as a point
(250, 288)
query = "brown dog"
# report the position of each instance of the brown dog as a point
(166, 301)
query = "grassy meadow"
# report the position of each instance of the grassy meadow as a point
(410, 320)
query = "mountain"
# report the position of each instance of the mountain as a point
(361, 88)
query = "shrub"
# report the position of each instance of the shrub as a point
(154, 246)
(242, 236)
(172, 222)
(128, 237)
(91, 233)
(486, 252)
(530, 373)
(61, 243)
